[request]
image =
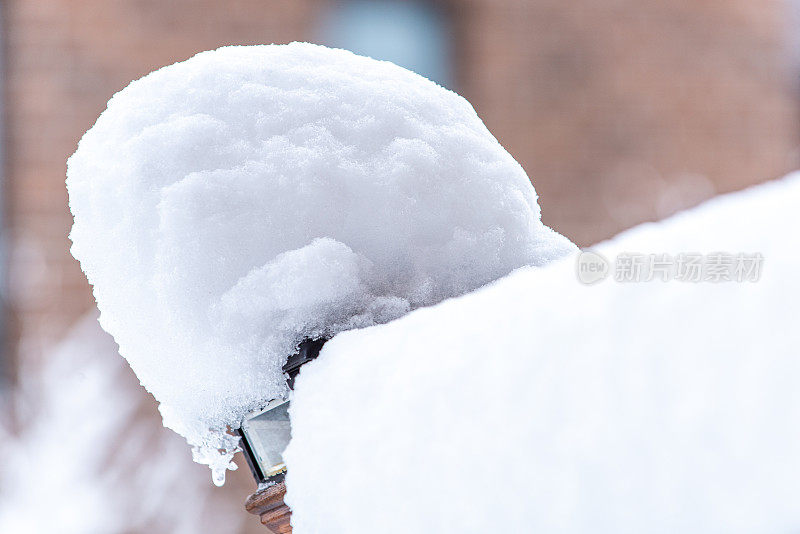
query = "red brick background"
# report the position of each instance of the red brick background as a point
(620, 110)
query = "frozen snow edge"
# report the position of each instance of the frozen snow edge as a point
(541, 404)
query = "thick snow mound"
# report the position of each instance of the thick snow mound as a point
(230, 205)
(540, 404)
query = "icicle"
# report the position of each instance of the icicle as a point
(218, 476)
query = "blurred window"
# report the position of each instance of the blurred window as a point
(411, 33)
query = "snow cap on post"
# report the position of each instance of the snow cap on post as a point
(231, 205)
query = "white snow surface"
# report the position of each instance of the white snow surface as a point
(84, 459)
(230, 205)
(539, 404)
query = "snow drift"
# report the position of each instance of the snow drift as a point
(539, 404)
(230, 205)
(84, 460)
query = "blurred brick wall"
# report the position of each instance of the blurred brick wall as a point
(623, 111)
(620, 110)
